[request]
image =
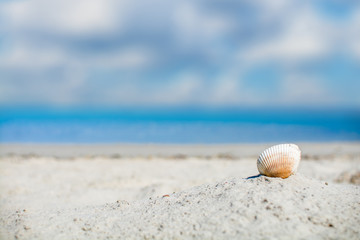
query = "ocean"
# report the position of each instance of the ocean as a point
(178, 125)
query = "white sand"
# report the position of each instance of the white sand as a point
(107, 196)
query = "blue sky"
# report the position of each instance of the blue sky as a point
(108, 53)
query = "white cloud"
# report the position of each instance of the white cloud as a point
(226, 91)
(303, 36)
(23, 56)
(302, 90)
(62, 16)
(186, 87)
(352, 34)
(128, 59)
(194, 27)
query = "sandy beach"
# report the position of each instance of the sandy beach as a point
(176, 192)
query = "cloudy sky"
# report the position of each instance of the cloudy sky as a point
(110, 53)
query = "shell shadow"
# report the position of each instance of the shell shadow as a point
(256, 176)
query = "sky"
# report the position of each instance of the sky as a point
(160, 53)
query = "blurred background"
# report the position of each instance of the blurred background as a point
(203, 71)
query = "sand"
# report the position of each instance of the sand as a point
(176, 192)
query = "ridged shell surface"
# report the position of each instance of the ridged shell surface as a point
(279, 161)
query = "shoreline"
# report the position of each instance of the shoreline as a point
(230, 151)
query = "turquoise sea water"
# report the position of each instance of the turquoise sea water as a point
(186, 125)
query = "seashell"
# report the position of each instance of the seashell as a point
(279, 161)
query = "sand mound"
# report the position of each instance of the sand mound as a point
(255, 208)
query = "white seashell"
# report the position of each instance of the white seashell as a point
(279, 161)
